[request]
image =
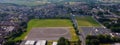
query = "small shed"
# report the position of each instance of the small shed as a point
(54, 43)
(41, 42)
(29, 42)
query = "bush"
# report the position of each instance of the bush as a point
(63, 41)
(92, 42)
(96, 40)
(10, 42)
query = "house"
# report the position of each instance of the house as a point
(34, 42)
(6, 29)
(2, 35)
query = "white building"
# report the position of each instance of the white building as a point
(30, 42)
(54, 43)
(41, 42)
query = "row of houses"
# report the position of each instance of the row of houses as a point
(6, 29)
(106, 1)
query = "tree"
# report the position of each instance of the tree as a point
(115, 29)
(79, 42)
(92, 40)
(95, 42)
(63, 41)
(10, 42)
(23, 24)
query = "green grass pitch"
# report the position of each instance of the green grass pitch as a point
(50, 23)
(86, 21)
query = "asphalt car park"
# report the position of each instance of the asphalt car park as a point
(48, 33)
(94, 31)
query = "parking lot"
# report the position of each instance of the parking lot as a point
(48, 33)
(94, 31)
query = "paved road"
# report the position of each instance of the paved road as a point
(82, 37)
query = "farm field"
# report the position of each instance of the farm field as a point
(25, 2)
(36, 2)
(87, 21)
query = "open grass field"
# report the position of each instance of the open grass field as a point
(35, 2)
(87, 21)
(25, 2)
(45, 23)
(74, 36)
(50, 23)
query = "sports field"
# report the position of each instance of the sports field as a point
(86, 21)
(50, 30)
(50, 23)
(55, 23)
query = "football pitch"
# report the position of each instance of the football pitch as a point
(87, 21)
(50, 23)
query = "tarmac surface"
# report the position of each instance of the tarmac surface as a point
(94, 31)
(48, 33)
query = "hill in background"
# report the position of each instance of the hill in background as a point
(40, 2)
